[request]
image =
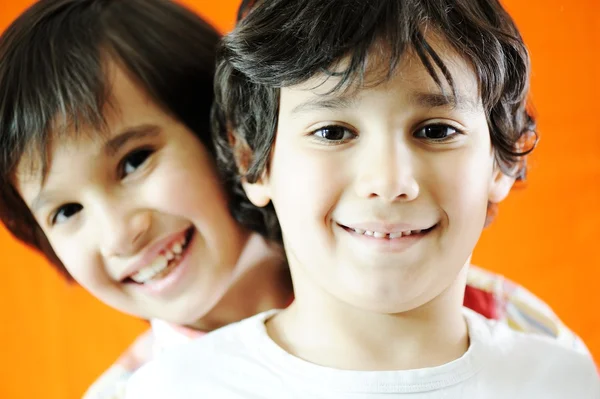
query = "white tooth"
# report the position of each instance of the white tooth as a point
(159, 264)
(177, 248)
(406, 233)
(169, 255)
(369, 233)
(359, 231)
(395, 235)
(141, 276)
(377, 234)
(148, 272)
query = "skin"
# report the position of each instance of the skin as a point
(387, 157)
(110, 199)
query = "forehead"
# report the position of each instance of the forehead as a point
(128, 110)
(409, 77)
(126, 104)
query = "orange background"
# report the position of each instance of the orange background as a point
(56, 338)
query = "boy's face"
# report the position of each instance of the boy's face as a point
(382, 192)
(137, 214)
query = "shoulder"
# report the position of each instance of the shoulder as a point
(201, 366)
(532, 362)
(112, 382)
(520, 309)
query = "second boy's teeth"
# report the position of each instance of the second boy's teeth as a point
(160, 263)
(177, 248)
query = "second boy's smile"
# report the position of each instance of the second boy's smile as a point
(137, 213)
(162, 264)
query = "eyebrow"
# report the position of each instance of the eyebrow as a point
(110, 147)
(113, 145)
(319, 103)
(422, 99)
(41, 200)
(436, 100)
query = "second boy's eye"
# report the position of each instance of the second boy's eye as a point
(437, 132)
(63, 213)
(133, 161)
(333, 134)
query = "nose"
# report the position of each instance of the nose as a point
(124, 229)
(386, 170)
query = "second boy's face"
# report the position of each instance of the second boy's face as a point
(381, 193)
(137, 214)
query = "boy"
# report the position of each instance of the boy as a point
(380, 131)
(154, 61)
(107, 167)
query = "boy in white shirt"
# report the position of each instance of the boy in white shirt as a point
(382, 132)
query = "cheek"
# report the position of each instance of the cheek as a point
(81, 262)
(186, 185)
(461, 187)
(304, 186)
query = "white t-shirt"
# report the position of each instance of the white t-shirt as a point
(169, 335)
(242, 361)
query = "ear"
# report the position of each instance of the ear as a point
(259, 192)
(500, 185)
(242, 153)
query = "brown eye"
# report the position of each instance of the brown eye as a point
(134, 160)
(63, 213)
(334, 133)
(436, 132)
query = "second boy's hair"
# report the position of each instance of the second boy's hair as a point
(280, 43)
(53, 82)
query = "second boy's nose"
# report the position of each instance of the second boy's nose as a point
(124, 232)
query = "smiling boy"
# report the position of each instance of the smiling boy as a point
(381, 132)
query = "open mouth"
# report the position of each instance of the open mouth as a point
(382, 235)
(166, 261)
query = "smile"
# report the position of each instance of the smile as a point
(387, 235)
(166, 261)
(378, 238)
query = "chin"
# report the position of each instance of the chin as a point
(386, 299)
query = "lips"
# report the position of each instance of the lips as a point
(166, 260)
(386, 231)
(160, 256)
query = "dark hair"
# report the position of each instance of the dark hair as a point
(53, 61)
(279, 43)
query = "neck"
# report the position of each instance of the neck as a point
(261, 281)
(341, 336)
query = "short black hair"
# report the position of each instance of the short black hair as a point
(280, 43)
(53, 61)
